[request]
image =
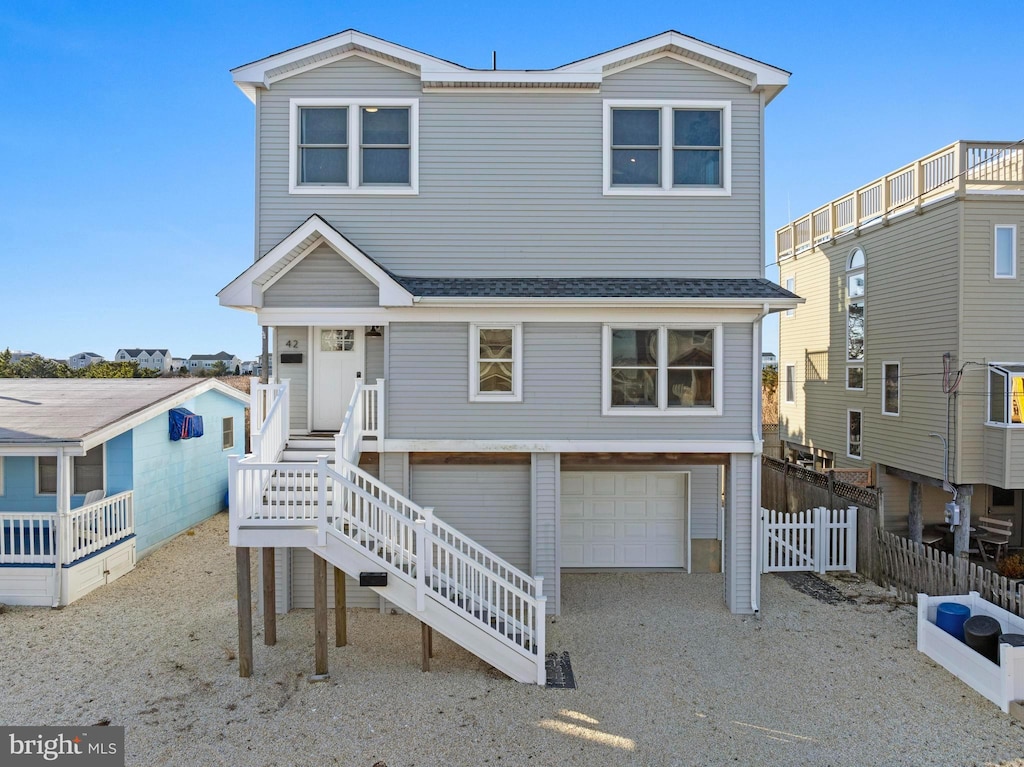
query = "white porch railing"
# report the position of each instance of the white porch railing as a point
(27, 538)
(90, 528)
(965, 166)
(268, 419)
(31, 538)
(816, 540)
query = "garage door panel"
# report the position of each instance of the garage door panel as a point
(623, 519)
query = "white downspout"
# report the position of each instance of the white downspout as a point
(755, 466)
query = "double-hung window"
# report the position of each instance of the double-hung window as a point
(227, 439)
(660, 369)
(667, 147)
(1006, 394)
(496, 363)
(354, 146)
(791, 383)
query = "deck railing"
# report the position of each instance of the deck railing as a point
(31, 538)
(27, 538)
(88, 529)
(961, 167)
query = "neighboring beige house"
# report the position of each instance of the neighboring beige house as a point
(911, 334)
(151, 359)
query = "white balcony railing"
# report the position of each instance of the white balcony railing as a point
(268, 420)
(962, 167)
(27, 538)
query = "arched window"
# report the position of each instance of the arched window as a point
(856, 289)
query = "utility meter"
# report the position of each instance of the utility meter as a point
(952, 514)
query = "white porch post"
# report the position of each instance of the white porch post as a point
(61, 521)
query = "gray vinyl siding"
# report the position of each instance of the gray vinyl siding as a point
(394, 471)
(705, 498)
(323, 278)
(516, 177)
(428, 389)
(295, 372)
(738, 554)
(302, 585)
(545, 504)
(993, 315)
(490, 504)
(911, 307)
(282, 580)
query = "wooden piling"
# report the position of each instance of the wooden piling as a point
(340, 616)
(244, 588)
(269, 599)
(320, 615)
(425, 653)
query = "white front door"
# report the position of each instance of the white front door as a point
(623, 519)
(337, 358)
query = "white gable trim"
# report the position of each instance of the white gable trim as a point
(246, 290)
(626, 65)
(437, 73)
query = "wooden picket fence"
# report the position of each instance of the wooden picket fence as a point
(916, 568)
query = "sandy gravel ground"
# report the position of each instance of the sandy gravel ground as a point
(666, 676)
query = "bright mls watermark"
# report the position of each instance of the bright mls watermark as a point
(81, 746)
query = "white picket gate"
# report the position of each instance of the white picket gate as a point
(815, 540)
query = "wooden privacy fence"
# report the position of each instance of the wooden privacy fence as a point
(916, 568)
(815, 540)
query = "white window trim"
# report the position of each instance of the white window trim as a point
(1013, 252)
(73, 493)
(790, 376)
(667, 189)
(791, 287)
(516, 395)
(354, 147)
(222, 420)
(899, 389)
(849, 441)
(1008, 424)
(2, 486)
(862, 371)
(718, 372)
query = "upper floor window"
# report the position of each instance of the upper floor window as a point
(891, 388)
(1006, 393)
(1006, 252)
(495, 363)
(856, 288)
(348, 146)
(791, 287)
(661, 369)
(667, 147)
(790, 383)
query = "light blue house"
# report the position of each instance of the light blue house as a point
(93, 474)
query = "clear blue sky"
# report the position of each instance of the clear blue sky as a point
(126, 189)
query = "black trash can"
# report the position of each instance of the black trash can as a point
(981, 633)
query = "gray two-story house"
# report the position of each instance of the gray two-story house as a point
(907, 355)
(539, 293)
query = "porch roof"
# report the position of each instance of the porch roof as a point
(51, 411)
(593, 287)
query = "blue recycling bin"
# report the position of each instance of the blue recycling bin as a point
(951, 616)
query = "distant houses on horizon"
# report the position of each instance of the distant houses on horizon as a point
(160, 360)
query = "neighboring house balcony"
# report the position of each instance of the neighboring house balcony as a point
(960, 169)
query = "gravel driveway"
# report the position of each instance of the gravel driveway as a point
(665, 675)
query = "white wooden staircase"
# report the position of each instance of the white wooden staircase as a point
(282, 496)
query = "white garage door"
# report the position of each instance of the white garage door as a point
(623, 519)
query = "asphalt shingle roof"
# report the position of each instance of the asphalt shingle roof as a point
(34, 410)
(592, 287)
